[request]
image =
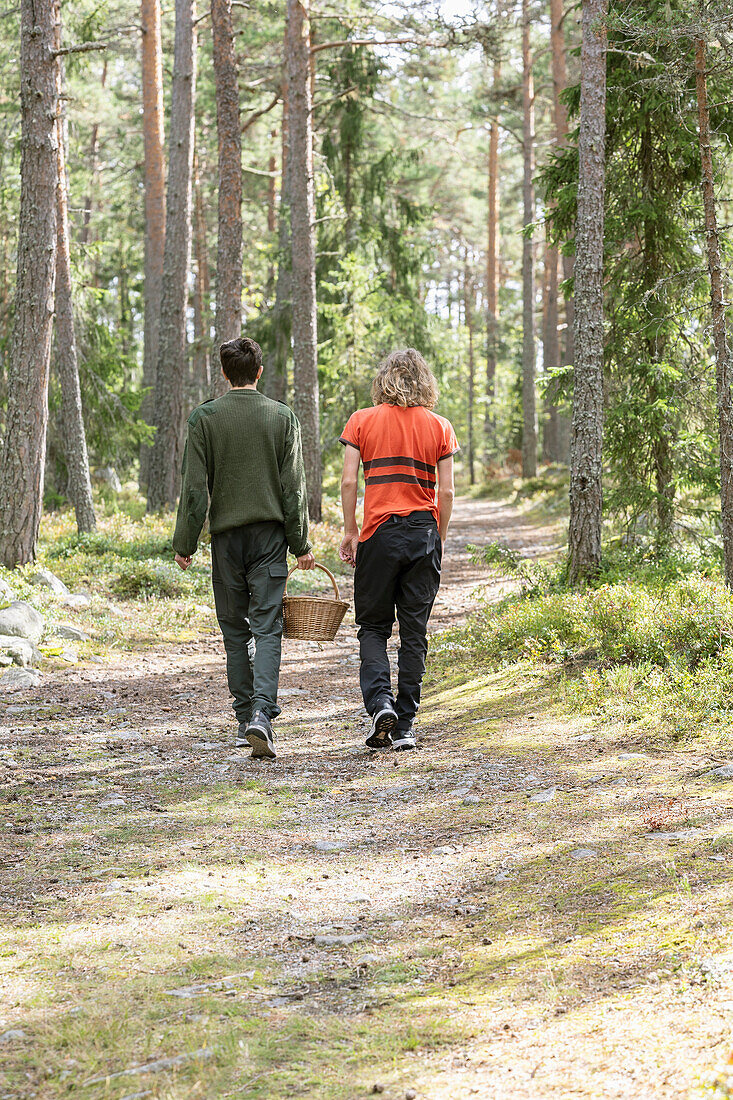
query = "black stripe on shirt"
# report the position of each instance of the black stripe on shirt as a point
(399, 460)
(348, 443)
(405, 479)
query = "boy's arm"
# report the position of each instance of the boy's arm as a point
(294, 496)
(349, 486)
(194, 499)
(446, 492)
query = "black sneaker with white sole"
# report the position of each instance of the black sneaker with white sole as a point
(258, 734)
(384, 722)
(403, 740)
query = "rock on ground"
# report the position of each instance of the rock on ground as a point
(47, 579)
(20, 650)
(73, 633)
(20, 679)
(6, 592)
(77, 601)
(21, 621)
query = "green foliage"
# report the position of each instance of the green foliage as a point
(143, 579)
(650, 643)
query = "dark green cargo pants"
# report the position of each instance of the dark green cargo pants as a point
(248, 573)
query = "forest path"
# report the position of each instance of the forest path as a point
(486, 917)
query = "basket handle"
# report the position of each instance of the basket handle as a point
(325, 570)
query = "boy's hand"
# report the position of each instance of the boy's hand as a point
(347, 549)
(183, 562)
(307, 561)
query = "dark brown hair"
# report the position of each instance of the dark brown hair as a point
(241, 360)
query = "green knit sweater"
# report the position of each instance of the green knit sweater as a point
(243, 461)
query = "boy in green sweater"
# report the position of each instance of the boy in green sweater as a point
(243, 463)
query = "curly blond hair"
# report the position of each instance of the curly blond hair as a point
(405, 379)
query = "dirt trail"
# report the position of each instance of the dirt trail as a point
(485, 917)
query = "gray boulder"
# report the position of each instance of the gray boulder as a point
(21, 621)
(20, 650)
(77, 601)
(47, 579)
(20, 679)
(73, 633)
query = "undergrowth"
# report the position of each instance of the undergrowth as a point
(650, 643)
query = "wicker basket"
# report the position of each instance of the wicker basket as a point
(315, 618)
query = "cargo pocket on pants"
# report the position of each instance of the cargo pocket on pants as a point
(278, 574)
(221, 601)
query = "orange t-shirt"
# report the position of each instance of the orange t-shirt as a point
(400, 449)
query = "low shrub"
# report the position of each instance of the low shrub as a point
(143, 579)
(691, 621)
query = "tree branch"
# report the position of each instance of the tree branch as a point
(83, 47)
(257, 114)
(369, 42)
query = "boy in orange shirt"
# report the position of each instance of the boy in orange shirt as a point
(397, 555)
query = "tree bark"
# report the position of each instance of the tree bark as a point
(492, 276)
(586, 453)
(72, 419)
(551, 443)
(718, 297)
(275, 380)
(93, 169)
(154, 184)
(529, 404)
(172, 346)
(201, 360)
(229, 241)
(468, 294)
(305, 351)
(24, 445)
(560, 117)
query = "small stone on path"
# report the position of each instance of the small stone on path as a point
(544, 796)
(584, 853)
(471, 800)
(12, 1035)
(329, 845)
(443, 850)
(676, 834)
(338, 941)
(114, 803)
(20, 679)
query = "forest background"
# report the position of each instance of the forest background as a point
(533, 194)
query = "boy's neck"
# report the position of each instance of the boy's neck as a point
(251, 386)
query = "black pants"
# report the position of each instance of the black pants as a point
(249, 572)
(397, 570)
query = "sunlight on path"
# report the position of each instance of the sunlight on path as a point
(486, 917)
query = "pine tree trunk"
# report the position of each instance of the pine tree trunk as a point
(72, 419)
(229, 241)
(154, 184)
(303, 251)
(551, 356)
(718, 297)
(26, 421)
(201, 361)
(93, 170)
(468, 292)
(492, 277)
(586, 453)
(529, 404)
(560, 118)
(275, 379)
(172, 345)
